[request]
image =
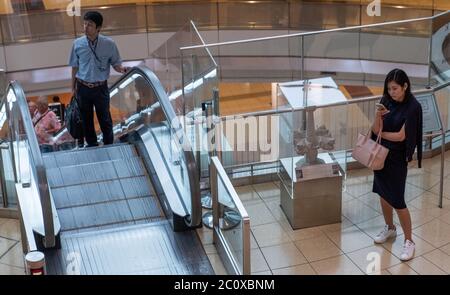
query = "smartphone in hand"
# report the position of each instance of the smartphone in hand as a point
(382, 108)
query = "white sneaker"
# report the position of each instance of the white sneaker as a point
(408, 251)
(385, 234)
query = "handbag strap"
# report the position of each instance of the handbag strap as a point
(379, 132)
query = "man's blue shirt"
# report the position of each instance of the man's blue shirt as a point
(90, 67)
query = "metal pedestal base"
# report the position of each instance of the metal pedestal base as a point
(206, 201)
(230, 219)
(207, 219)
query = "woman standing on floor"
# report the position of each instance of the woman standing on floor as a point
(401, 123)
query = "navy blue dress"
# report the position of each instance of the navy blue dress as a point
(390, 181)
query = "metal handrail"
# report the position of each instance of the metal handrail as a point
(35, 154)
(314, 32)
(203, 42)
(217, 172)
(347, 102)
(178, 133)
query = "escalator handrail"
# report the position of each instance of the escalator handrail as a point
(35, 154)
(178, 133)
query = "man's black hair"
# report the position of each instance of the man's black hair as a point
(94, 16)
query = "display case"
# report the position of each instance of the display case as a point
(312, 140)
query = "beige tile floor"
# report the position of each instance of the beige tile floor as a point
(343, 248)
(11, 256)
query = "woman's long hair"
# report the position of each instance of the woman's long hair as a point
(400, 77)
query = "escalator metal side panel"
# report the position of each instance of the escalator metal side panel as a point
(165, 189)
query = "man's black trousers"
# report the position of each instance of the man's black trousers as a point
(97, 97)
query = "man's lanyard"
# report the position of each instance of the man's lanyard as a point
(93, 47)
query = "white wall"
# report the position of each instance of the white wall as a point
(37, 55)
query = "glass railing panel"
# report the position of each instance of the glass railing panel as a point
(199, 74)
(278, 59)
(166, 62)
(21, 151)
(138, 99)
(248, 140)
(8, 171)
(231, 223)
(383, 48)
(131, 102)
(10, 181)
(334, 54)
(440, 50)
(443, 102)
(201, 84)
(118, 19)
(35, 27)
(174, 156)
(27, 162)
(264, 59)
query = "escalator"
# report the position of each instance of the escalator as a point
(126, 208)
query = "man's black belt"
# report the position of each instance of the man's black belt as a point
(92, 84)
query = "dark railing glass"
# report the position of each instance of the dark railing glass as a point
(25, 164)
(55, 23)
(138, 98)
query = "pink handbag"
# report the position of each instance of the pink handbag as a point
(370, 153)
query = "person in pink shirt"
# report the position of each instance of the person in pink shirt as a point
(45, 124)
(32, 108)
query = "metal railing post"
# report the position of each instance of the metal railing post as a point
(3, 86)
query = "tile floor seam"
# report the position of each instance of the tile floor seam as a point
(343, 254)
(417, 226)
(341, 237)
(9, 249)
(259, 248)
(294, 265)
(310, 261)
(448, 244)
(13, 266)
(354, 263)
(423, 256)
(422, 188)
(322, 259)
(10, 239)
(375, 245)
(448, 223)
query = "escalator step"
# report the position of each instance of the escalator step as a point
(147, 207)
(88, 173)
(85, 156)
(137, 187)
(130, 167)
(94, 215)
(122, 152)
(86, 194)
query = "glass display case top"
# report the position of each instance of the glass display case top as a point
(321, 91)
